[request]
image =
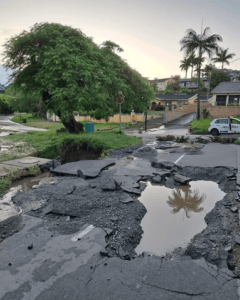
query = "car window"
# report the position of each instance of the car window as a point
(235, 122)
(224, 121)
(217, 121)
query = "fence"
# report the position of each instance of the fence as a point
(125, 118)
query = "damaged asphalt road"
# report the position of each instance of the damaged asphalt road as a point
(105, 196)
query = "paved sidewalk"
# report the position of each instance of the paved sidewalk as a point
(7, 124)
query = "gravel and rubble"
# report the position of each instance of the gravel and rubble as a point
(107, 197)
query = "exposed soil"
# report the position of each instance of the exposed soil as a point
(75, 152)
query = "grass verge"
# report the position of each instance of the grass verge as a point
(16, 174)
(48, 144)
(200, 126)
(28, 117)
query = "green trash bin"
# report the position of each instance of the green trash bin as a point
(89, 127)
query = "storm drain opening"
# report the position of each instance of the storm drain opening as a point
(175, 216)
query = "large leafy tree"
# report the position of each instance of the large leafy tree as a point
(72, 73)
(223, 57)
(201, 43)
(185, 64)
(217, 77)
(207, 71)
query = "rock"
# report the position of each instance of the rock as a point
(129, 151)
(103, 253)
(172, 151)
(123, 253)
(80, 174)
(68, 218)
(145, 149)
(147, 254)
(126, 199)
(237, 239)
(234, 209)
(181, 179)
(229, 248)
(223, 254)
(170, 183)
(109, 186)
(114, 218)
(130, 157)
(163, 164)
(156, 179)
(163, 174)
(108, 231)
(144, 178)
(30, 247)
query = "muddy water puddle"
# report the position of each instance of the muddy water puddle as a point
(174, 216)
(31, 182)
(7, 207)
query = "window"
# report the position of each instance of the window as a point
(221, 100)
(224, 121)
(233, 99)
(217, 121)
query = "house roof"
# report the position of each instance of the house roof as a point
(204, 98)
(227, 87)
(178, 97)
(189, 79)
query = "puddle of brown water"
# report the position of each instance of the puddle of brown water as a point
(29, 182)
(174, 216)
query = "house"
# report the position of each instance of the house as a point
(2, 88)
(161, 84)
(203, 99)
(187, 83)
(226, 92)
(173, 101)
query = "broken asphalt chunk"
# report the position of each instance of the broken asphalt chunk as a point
(170, 183)
(181, 179)
(237, 239)
(126, 199)
(234, 209)
(89, 168)
(109, 186)
(157, 179)
(114, 218)
(163, 164)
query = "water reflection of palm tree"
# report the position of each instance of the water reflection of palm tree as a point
(188, 200)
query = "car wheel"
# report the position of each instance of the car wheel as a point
(214, 132)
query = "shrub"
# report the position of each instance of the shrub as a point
(206, 113)
(5, 106)
(159, 107)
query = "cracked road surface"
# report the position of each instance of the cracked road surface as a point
(59, 268)
(40, 263)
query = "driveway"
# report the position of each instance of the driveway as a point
(7, 124)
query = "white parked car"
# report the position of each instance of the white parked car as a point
(224, 125)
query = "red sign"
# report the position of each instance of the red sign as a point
(119, 99)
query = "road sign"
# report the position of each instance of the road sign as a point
(119, 98)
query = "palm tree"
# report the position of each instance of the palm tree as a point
(185, 64)
(207, 71)
(202, 43)
(192, 60)
(222, 56)
(188, 201)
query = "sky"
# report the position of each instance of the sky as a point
(149, 31)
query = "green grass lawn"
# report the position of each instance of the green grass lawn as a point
(29, 117)
(200, 126)
(155, 112)
(48, 144)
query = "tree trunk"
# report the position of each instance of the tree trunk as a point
(198, 101)
(73, 126)
(186, 73)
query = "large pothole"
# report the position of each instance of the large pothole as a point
(75, 152)
(174, 216)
